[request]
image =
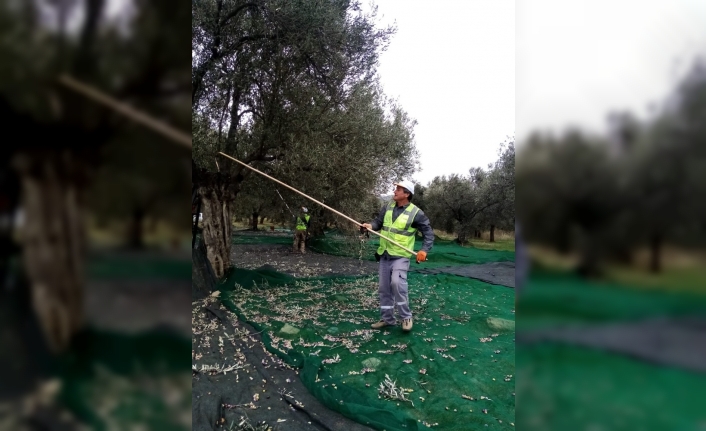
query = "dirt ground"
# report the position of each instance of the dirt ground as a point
(281, 258)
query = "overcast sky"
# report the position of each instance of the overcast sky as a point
(579, 59)
(451, 65)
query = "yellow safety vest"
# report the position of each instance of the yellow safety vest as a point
(301, 224)
(400, 230)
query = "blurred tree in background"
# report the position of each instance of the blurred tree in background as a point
(74, 157)
(640, 186)
(481, 201)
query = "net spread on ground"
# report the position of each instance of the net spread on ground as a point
(609, 356)
(454, 370)
(111, 378)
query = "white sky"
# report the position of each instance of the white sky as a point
(577, 60)
(451, 65)
(112, 10)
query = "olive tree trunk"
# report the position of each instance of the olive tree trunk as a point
(216, 206)
(53, 242)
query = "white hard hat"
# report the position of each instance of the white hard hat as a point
(305, 210)
(406, 184)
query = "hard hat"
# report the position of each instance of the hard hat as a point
(405, 184)
(305, 210)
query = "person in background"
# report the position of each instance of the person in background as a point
(300, 230)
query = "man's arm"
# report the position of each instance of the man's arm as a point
(376, 224)
(421, 223)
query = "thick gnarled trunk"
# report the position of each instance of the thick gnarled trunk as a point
(656, 253)
(216, 202)
(136, 229)
(589, 265)
(253, 223)
(53, 242)
(316, 227)
(462, 238)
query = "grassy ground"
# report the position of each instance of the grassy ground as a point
(682, 271)
(681, 279)
(158, 235)
(504, 241)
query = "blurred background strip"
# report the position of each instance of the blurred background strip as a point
(611, 199)
(95, 253)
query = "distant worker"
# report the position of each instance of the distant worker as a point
(399, 221)
(301, 229)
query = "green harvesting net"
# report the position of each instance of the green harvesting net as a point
(454, 371)
(338, 243)
(445, 253)
(613, 381)
(263, 238)
(127, 268)
(561, 386)
(554, 298)
(117, 380)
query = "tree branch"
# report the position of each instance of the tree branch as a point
(84, 64)
(270, 158)
(235, 12)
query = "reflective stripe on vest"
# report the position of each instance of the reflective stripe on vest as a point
(400, 230)
(301, 225)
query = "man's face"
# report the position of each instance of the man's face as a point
(399, 194)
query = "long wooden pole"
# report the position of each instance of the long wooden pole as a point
(320, 203)
(128, 111)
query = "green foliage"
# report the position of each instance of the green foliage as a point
(290, 88)
(128, 56)
(419, 199)
(577, 172)
(127, 186)
(259, 198)
(465, 204)
(497, 190)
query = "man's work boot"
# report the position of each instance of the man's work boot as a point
(379, 325)
(407, 324)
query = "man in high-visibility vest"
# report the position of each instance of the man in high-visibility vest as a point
(300, 230)
(399, 220)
